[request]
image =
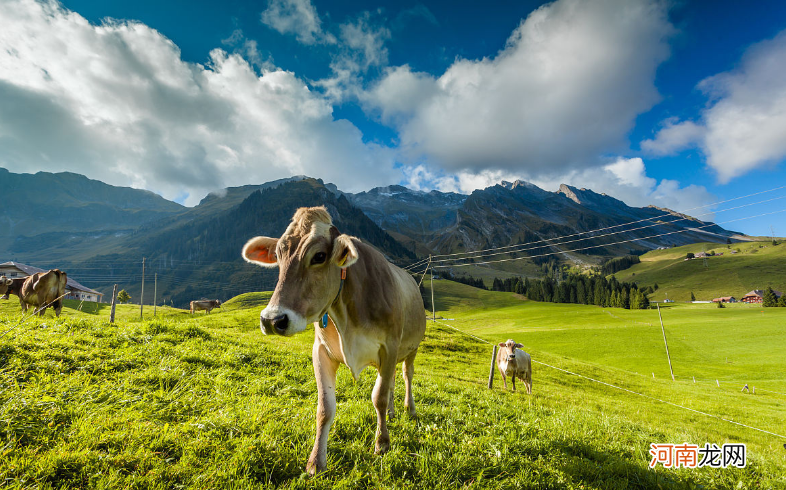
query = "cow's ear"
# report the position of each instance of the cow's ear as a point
(261, 250)
(344, 251)
(519, 346)
(502, 344)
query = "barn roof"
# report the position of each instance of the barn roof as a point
(760, 293)
(30, 270)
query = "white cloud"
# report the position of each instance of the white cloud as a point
(298, 17)
(566, 88)
(117, 103)
(361, 47)
(674, 137)
(744, 126)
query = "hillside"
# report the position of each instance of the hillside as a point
(207, 401)
(756, 266)
(47, 208)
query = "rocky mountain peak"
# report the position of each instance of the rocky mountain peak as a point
(568, 192)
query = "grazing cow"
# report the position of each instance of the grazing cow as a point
(5, 284)
(14, 287)
(42, 290)
(365, 310)
(205, 304)
(513, 362)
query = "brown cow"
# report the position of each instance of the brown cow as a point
(366, 312)
(516, 363)
(15, 287)
(205, 304)
(5, 285)
(42, 290)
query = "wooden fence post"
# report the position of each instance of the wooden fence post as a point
(491, 371)
(114, 298)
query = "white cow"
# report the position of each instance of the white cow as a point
(513, 362)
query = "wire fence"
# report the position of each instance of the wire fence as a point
(611, 385)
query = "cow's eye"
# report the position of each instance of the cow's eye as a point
(319, 258)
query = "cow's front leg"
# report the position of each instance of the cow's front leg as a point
(325, 371)
(514, 382)
(380, 397)
(504, 381)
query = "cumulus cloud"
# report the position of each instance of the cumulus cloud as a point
(744, 125)
(116, 102)
(674, 137)
(298, 17)
(565, 89)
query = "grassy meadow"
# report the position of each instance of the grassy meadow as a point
(207, 401)
(757, 265)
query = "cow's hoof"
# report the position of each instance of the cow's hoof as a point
(382, 446)
(391, 415)
(313, 467)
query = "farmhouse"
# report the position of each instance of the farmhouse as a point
(725, 299)
(757, 296)
(13, 270)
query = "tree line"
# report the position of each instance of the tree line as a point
(577, 289)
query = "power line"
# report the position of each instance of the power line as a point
(608, 227)
(598, 236)
(606, 244)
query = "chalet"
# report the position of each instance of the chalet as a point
(725, 299)
(757, 296)
(13, 270)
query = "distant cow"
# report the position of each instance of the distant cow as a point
(205, 304)
(513, 362)
(365, 310)
(42, 290)
(14, 287)
(5, 284)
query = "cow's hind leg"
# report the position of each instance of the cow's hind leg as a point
(380, 397)
(391, 398)
(408, 372)
(325, 371)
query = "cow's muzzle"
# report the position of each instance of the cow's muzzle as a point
(277, 325)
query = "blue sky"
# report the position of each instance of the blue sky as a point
(676, 104)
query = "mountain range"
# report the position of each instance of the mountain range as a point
(100, 233)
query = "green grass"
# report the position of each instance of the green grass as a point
(206, 401)
(757, 266)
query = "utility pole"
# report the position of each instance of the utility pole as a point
(666, 343)
(142, 294)
(155, 292)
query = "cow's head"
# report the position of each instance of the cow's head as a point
(509, 349)
(5, 284)
(310, 255)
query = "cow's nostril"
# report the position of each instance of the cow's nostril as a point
(280, 323)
